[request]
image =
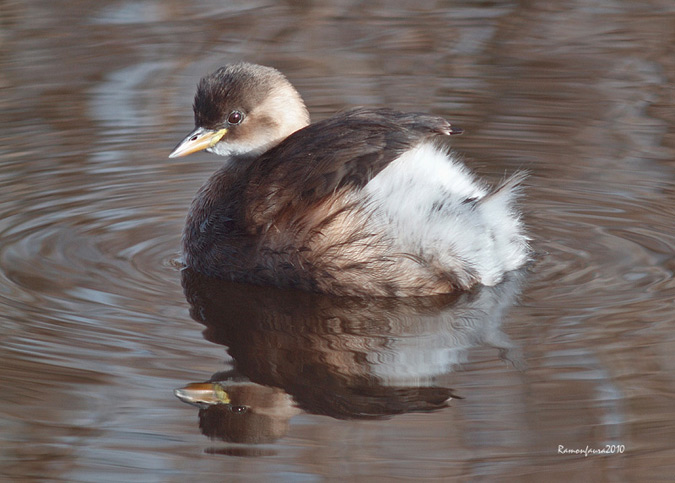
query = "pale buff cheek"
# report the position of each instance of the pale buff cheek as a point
(239, 143)
(281, 114)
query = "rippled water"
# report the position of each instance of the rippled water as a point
(574, 352)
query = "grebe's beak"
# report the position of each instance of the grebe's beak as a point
(198, 140)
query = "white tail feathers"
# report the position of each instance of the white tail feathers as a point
(435, 210)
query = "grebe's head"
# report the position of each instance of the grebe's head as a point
(243, 109)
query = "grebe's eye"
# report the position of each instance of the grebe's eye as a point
(238, 409)
(235, 117)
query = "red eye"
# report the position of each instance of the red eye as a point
(235, 117)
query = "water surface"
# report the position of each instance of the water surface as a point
(99, 326)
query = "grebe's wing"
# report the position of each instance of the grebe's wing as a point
(344, 151)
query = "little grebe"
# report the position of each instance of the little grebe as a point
(367, 202)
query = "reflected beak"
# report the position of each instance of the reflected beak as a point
(203, 394)
(198, 140)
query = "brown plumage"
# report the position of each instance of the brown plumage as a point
(295, 206)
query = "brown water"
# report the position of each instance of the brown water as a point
(96, 334)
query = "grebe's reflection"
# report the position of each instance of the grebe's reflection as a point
(347, 358)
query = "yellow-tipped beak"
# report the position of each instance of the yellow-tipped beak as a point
(197, 140)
